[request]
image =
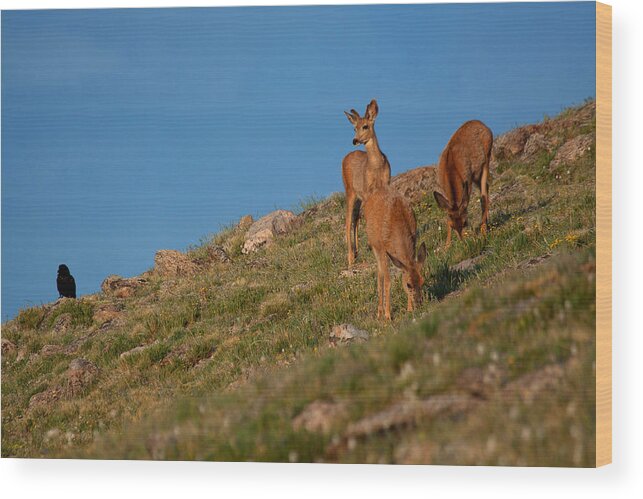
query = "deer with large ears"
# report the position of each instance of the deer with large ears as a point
(463, 163)
(392, 234)
(362, 172)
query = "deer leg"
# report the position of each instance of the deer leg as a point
(387, 293)
(409, 305)
(448, 236)
(356, 235)
(356, 210)
(484, 200)
(350, 202)
(379, 285)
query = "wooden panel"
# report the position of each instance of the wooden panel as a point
(603, 234)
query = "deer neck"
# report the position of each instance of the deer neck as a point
(376, 166)
(374, 154)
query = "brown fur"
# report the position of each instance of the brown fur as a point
(362, 172)
(463, 163)
(391, 230)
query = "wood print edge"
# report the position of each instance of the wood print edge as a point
(603, 234)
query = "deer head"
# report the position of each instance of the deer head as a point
(364, 126)
(412, 279)
(456, 211)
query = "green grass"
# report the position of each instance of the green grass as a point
(233, 354)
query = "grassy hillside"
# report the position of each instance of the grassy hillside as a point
(234, 361)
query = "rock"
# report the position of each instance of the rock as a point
(356, 269)
(481, 382)
(136, 350)
(407, 413)
(106, 314)
(52, 434)
(529, 386)
(345, 333)
(258, 239)
(76, 379)
(571, 150)
(121, 287)
(63, 323)
(245, 222)
(266, 228)
(319, 417)
(8, 348)
(410, 451)
(46, 398)
(416, 184)
(172, 263)
(49, 350)
(81, 364)
(532, 262)
(133, 351)
(80, 374)
(535, 143)
(466, 265)
(218, 253)
(512, 144)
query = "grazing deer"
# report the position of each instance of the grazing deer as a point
(464, 162)
(391, 230)
(362, 172)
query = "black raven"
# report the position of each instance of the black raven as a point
(65, 282)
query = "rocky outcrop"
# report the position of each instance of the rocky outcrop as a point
(172, 263)
(245, 222)
(319, 416)
(50, 350)
(526, 141)
(264, 230)
(106, 314)
(217, 253)
(512, 144)
(137, 350)
(408, 412)
(414, 185)
(62, 323)
(467, 265)
(346, 333)
(571, 150)
(8, 347)
(121, 287)
(75, 381)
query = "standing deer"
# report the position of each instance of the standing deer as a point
(464, 162)
(362, 172)
(391, 230)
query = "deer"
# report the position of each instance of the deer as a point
(362, 172)
(392, 234)
(463, 163)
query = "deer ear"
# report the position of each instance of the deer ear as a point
(396, 262)
(351, 117)
(371, 111)
(441, 200)
(421, 254)
(465, 195)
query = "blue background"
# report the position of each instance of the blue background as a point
(129, 131)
